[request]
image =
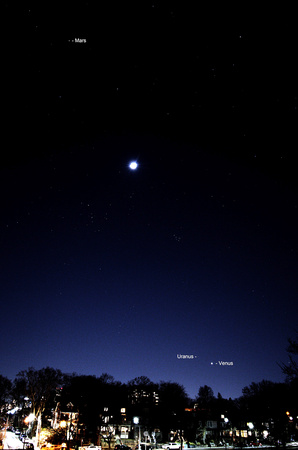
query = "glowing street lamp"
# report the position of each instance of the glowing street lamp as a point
(29, 419)
(136, 421)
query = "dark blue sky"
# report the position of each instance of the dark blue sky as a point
(108, 270)
(104, 269)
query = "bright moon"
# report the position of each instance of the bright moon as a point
(133, 165)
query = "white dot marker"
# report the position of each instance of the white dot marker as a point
(133, 165)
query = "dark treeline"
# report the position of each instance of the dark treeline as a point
(99, 408)
(163, 406)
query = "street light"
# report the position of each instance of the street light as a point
(136, 421)
(29, 418)
(29, 421)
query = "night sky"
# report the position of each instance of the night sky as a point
(108, 269)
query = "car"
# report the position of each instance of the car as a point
(50, 446)
(172, 445)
